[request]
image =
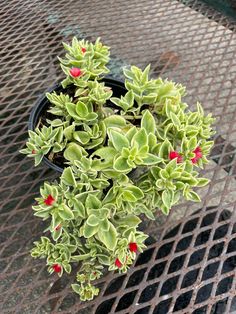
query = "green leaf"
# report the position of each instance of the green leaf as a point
(202, 181)
(151, 159)
(104, 225)
(137, 192)
(148, 122)
(93, 202)
(67, 177)
(175, 120)
(89, 231)
(140, 138)
(65, 212)
(130, 220)
(92, 220)
(109, 238)
(81, 109)
(166, 198)
(76, 287)
(118, 140)
(193, 196)
(114, 121)
(192, 143)
(73, 152)
(129, 196)
(121, 165)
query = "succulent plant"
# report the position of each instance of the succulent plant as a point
(123, 158)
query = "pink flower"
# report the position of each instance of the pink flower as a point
(58, 227)
(75, 72)
(133, 247)
(33, 152)
(57, 268)
(198, 154)
(49, 200)
(83, 50)
(118, 263)
(174, 154)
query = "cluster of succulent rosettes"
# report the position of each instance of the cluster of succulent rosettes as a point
(134, 157)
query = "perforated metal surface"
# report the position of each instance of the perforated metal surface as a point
(189, 266)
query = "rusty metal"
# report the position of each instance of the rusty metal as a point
(189, 265)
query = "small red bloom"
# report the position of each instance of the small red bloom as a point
(75, 72)
(118, 263)
(194, 160)
(133, 247)
(57, 268)
(198, 152)
(49, 200)
(33, 151)
(83, 49)
(58, 227)
(174, 154)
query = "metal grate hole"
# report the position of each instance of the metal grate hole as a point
(126, 301)
(219, 307)
(204, 293)
(224, 285)
(172, 233)
(201, 310)
(164, 250)
(233, 305)
(177, 264)
(162, 307)
(203, 237)
(169, 285)
(210, 271)
(221, 232)
(190, 225)
(208, 219)
(232, 246)
(183, 244)
(183, 301)
(229, 264)
(148, 293)
(136, 278)
(115, 285)
(144, 310)
(105, 306)
(196, 257)
(144, 258)
(157, 270)
(216, 250)
(190, 278)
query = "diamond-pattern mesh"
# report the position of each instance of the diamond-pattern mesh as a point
(189, 265)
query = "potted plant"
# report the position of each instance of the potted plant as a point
(124, 150)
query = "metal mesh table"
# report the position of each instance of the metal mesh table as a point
(189, 265)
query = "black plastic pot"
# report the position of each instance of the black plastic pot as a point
(42, 103)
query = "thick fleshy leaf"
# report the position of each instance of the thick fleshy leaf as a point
(114, 121)
(121, 165)
(167, 198)
(129, 196)
(104, 225)
(92, 220)
(89, 231)
(151, 159)
(118, 140)
(148, 122)
(73, 152)
(137, 192)
(67, 177)
(109, 238)
(81, 109)
(140, 138)
(65, 212)
(93, 202)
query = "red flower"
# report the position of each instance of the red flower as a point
(49, 200)
(33, 152)
(58, 227)
(133, 247)
(75, 72)
(198, 154)
(83, 49)
(118, 263)
(57, 268)
(174, 154)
